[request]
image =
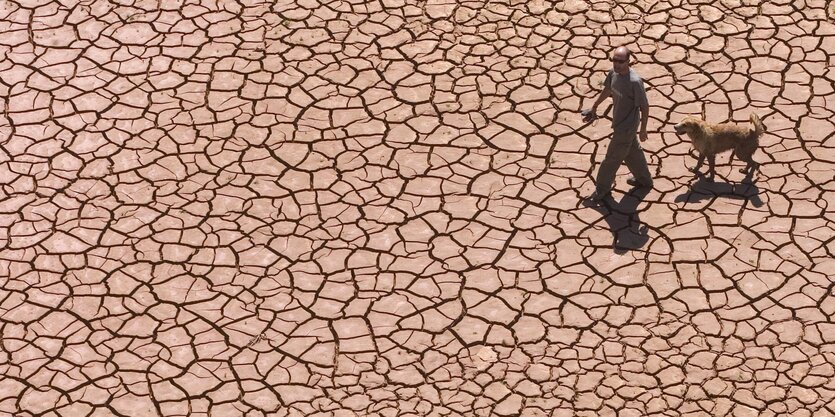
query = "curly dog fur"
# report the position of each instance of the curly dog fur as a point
(712, 139)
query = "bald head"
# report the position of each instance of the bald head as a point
(620, 59)
(622, 52)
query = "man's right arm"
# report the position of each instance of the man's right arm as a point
(591, 114)
(606, 93)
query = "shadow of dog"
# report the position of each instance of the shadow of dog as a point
(704, 189)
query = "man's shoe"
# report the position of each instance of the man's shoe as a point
(597, 199)
(635, 183)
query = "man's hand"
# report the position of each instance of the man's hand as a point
(589, 115)
(643, 135)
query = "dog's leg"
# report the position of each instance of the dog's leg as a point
(747, 169)
(747, 154)
(751, 166)
(711, 166)
(699, 162)
(748, 162)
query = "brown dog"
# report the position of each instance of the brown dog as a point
(709, 140)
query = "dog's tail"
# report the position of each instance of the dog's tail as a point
(759, 129)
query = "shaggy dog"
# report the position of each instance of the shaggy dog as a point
(709, 140)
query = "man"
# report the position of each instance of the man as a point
(626, 88)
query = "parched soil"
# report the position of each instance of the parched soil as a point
(251, 208)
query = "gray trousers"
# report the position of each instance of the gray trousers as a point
(624, 148)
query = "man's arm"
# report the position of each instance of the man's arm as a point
(606, 93)
(591, 114)
(644, 120)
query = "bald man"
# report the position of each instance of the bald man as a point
(631, 109)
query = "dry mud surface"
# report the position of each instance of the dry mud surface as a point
(348, 208)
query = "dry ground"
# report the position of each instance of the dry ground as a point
(248, 208)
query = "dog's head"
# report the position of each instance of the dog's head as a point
(688, 125)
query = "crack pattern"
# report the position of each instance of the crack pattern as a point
(298, 208)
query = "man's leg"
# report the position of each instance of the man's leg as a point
(636, 161)
(619, 147)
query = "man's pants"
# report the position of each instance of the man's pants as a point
(623, 148)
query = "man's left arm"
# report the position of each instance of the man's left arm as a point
(644, 120)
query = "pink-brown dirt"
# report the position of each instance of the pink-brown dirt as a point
(375, 208)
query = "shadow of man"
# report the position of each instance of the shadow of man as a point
(628, 231)
(703, 190)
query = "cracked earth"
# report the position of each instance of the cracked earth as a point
(348, 208)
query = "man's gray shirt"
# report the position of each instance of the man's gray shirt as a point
(628, 95)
